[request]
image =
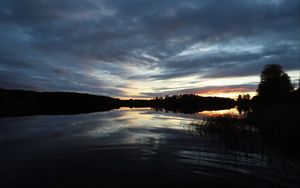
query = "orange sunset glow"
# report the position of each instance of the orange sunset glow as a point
(227, 92)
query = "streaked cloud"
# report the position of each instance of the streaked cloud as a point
(138, 48)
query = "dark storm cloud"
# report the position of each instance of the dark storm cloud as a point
(232, 64)
(61, 44)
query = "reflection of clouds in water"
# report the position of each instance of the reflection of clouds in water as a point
(143, 138)
(107, 129)
(138, 126)
(231, 111)
(140, 134)
(126, 118)
(99, 124)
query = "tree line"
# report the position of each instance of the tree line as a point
(275, 87)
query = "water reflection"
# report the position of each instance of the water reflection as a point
(231, 111)
(134, 146)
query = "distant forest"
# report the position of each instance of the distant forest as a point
(21, 102)
(190, 103)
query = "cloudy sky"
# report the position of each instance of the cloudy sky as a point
(146, 48)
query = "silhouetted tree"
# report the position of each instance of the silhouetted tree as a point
(242, 98)
(243, 103)
(239, 98)
(247, 97)
(274, 82)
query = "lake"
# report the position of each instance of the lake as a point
(136, 147)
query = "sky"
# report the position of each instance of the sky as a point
(146, 48)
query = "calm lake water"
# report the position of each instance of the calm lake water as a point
(136, 147)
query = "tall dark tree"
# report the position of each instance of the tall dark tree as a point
(274, 82)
